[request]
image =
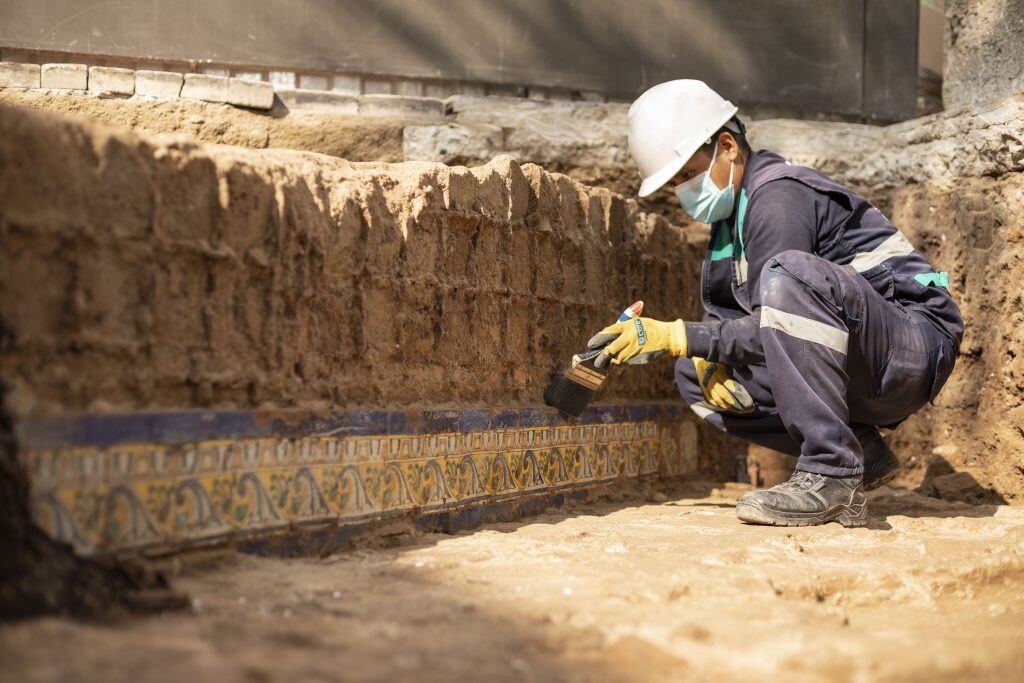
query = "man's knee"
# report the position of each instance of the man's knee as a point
(794, 261)
(793, 275)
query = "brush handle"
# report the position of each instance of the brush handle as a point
(635, 309)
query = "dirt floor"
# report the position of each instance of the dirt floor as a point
(674, 589)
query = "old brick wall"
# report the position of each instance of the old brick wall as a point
(204, 343)
(142, 272)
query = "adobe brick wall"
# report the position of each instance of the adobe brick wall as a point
(296, 340)
(143, 272)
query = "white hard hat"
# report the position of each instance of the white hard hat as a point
(670, 122)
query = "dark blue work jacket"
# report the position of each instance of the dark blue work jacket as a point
(844, 228)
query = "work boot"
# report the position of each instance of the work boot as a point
(880, 464)
(806, 499)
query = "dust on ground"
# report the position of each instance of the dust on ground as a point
(670, 590)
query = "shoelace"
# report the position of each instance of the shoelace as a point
(801, 480)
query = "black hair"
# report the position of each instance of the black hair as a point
(735, 128)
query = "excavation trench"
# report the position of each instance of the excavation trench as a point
(184, 318)
(206, 346)
(209, 343)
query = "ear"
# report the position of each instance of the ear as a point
(728, 147)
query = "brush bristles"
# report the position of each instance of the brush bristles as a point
(570, 391)
(568, 396)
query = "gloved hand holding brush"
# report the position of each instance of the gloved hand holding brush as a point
(638, 341)
(570, 391)
(641, 340)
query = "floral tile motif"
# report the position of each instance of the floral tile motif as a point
(120, 483)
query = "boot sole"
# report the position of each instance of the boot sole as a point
(849, 516)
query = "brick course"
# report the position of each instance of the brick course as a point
(65, 76)
(19, 75)
(158, 83)
(108, 80)
(206, 88)
(254, 94)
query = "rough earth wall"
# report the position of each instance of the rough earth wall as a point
(141, 272)
(206, 343)
(973, 227)
(984, 51)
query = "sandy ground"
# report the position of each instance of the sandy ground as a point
(669, 590)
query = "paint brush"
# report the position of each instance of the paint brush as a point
(571, 390)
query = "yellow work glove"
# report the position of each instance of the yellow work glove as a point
(638, 341)
(720, 389)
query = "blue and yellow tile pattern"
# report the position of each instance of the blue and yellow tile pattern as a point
(161, 481)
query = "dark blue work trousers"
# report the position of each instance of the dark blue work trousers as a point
(837, 354)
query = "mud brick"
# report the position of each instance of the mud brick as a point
(347, 84)
(422, 252)
(19, 75)
(505, 90)
(283, 79)
(548, 269)
(442, 90)
(376, 86)
(519, 190)
(206, 88)
(112, 81)
(490, 316)
(572, 267)
(312, 82)
(459, 248)
(380, 336)
(158, 83)
(249, 75)
(521, 317)
(520, 273)
(422, 383)
(65, 76)
(246, 93)
(596, 265)
(409, 88)
(474, 382)
(417, 321)
(490, 254)
(459, 313)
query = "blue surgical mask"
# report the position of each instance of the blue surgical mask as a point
(702, 199)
